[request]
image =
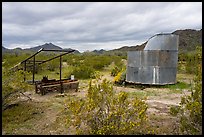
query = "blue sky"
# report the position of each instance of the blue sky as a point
(94, 25)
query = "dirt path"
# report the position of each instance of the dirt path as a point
(163, 98)
(159, 100)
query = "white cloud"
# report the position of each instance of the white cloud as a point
(94, 25)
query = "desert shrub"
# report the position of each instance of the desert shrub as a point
(192, 59)
(10, 60)
(104, 112)
(187, 60)
(120, 77)
(181, 62)
(189, 110)
(52, 65)
(83, 72)
(86, 64)
(12, 85)
(74, 60)
(97, 61)
(181, 67)
(49, 65)
(115, 70)
(118, 66)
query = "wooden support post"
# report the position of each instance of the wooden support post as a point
(33, 69)
(24, 70)
(61, 74)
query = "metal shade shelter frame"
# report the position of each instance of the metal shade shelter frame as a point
(35, 62)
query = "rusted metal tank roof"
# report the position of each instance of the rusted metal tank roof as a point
(163, 42)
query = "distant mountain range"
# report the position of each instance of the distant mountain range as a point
(130, 48)
(35, 49)
(99, 51)
(188, 40)
(45, 46)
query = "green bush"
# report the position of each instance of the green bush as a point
(86, 64)
(187, 60)
(83, 72)
(97, 62)
(10, 59)
(118, 66)
(189, 110)
(53, 65)
(115, 71)
(104, 112)
(192, 59)
(12, 84)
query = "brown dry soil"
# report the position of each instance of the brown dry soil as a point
(51, 121)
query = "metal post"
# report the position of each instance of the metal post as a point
(61, 73)
(33, 69)
(24, 70)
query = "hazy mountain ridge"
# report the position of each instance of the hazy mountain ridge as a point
(45, 46)
(35, 49)
(188, 40)
(130, 48)
(101, 51)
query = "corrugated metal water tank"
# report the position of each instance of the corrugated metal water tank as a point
(157, 63)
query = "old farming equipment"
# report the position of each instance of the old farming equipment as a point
(53, 85)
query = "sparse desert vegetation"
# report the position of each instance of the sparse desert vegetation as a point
(102, 105)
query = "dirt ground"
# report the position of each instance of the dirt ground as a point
(158, 107)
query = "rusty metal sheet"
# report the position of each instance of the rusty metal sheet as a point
(132, 74)
(151, 75)
(150, 58)
(167, 75)
(146, 75)
(143, 75)
(155, 65)
(168, 58)
(134, 59)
